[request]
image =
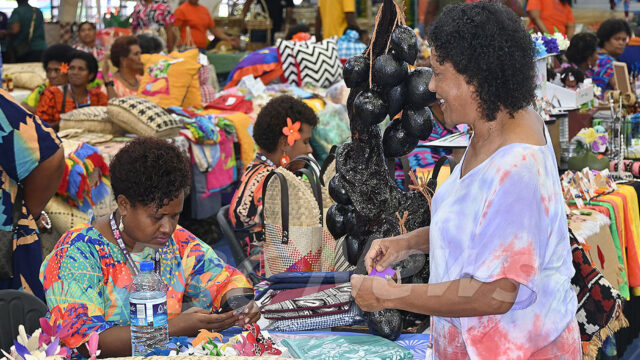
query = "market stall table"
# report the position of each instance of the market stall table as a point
(225, 62)
(20, 94)
(416, 343)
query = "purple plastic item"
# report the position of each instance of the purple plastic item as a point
(385, 274)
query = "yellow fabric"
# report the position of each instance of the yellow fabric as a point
(443, 175)
(242, 123)
(194, 95)
(634, 210)
(621, 227)
(316, 104)
(166, 79)
(333, 16)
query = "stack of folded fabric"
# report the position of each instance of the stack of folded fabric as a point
(295, 301)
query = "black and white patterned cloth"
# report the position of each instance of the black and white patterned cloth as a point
(146, 112)
(288, 60)
(351, 317)
(332, 298)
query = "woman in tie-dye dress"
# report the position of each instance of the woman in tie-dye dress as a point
(87, 276)
(500, 261)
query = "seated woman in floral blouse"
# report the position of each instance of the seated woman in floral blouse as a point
(86, 276)
(275, 150)
(56, 100)
(125, 56)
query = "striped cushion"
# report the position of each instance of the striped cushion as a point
(288, 60)
(318, 64)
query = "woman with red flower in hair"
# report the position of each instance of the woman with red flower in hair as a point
(282, 132)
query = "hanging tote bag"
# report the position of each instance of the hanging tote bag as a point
(321, 194)
(6, 239)
(259, 27)
(292, 243)
(188, 44)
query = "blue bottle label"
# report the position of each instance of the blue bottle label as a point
(151, 312)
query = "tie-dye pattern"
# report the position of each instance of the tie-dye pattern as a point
(505, 219)
(25, 142)
(86, 279)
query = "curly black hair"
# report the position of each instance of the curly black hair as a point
(487, 44)
(150, 171)
(121, 47)
(93, 26)
(577, 74)
(611, 27)
(582, 46)
(267, 130)
(58, 52)
(89, 59)
(149, 44)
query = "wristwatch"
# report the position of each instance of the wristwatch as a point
(109, 83)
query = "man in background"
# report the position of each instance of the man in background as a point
(334, 16)
(26, 31)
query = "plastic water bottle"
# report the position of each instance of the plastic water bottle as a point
(148, 307)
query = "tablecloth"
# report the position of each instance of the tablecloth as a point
(20, 94)
(225, 62)
(416, 343)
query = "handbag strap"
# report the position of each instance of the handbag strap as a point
(33, 22)
(17, 208)
(309, 161)
(433, 181)
(64, 100)
(406, 167)
(315, 187)
(189, 38)
(264, 8)
(328, 160)
(284, 202)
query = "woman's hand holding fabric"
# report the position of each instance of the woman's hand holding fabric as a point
(249, 315)
(384, 252)
(191, 321)
(370, 292)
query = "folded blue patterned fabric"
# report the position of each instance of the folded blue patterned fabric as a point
(311, 278)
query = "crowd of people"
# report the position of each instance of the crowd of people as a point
(591, 56)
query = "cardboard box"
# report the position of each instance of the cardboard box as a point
(568, 99)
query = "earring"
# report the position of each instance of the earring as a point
(284, 160)
(121, 226)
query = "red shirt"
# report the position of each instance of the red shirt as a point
(554, 14)
(50, 104)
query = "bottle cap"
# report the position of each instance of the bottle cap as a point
(146, 265)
